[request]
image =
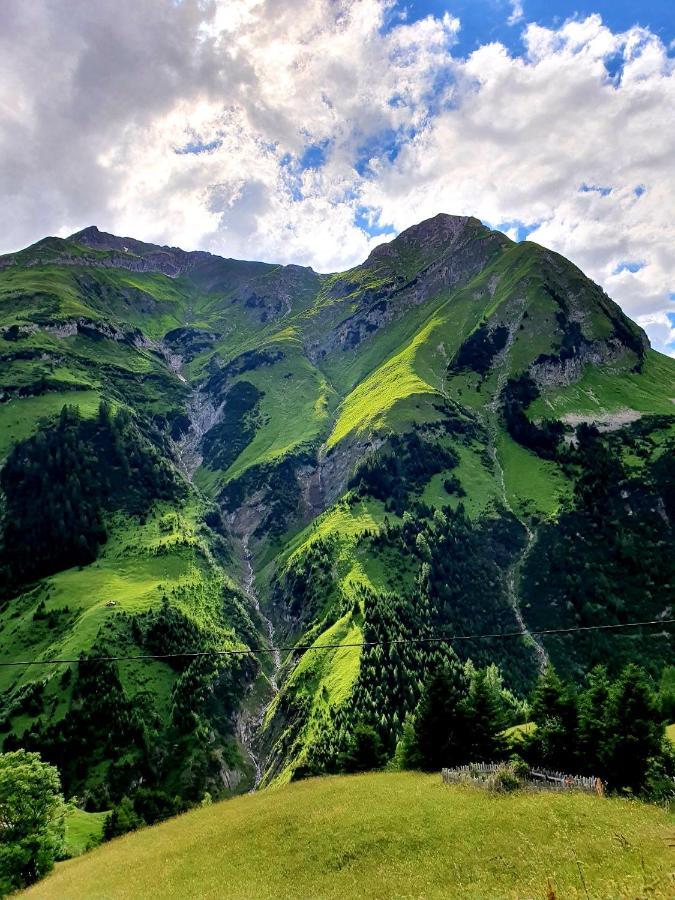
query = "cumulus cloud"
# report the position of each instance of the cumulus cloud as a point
(268, 129)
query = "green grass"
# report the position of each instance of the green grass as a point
(342, 524)
(670, 732)
(408, 359)
(21, 417)
(294, 411)
(480, 484)
(136, 567)
(42, 291)
(603, 390)
(151, 301)
(384, 835)
(83, 830)
(366, 407)
(343, 521)
(346, 370)
(328, 676)
(517, 733)
(534, 486)
(410, 372)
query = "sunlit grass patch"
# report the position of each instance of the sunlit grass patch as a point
(385, 835)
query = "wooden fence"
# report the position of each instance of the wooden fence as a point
(542, 778)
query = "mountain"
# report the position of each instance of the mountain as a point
(463, 435)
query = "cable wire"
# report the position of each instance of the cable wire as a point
(439, 639)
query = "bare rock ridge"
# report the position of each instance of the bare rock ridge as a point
(128, 252)
(440, 232)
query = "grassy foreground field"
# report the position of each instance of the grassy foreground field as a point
(385, 835)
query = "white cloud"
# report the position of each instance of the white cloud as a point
(517, 12)
(526, 134)
(95, 105)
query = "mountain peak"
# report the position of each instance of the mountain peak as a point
(441, 225)
(428, 237)
(91, 231)
(269, 404)
(93, 237)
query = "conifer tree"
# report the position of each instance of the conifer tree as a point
(486, 720)
(441, 721)
(592, 733)
(634, 732)
(555, 713)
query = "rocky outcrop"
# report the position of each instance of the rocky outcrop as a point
(128, 253)
(321, 484)
(99, 329)
(278, 292)
(436, 256)
(91, 328)
(603, 421)
(558, 372)
(203, 413)
(249, 515)
(17, 332)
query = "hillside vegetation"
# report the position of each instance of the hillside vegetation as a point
(387, 835)
(254, 454)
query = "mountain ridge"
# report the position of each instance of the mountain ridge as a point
(396, 447)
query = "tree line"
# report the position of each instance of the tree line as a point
(618, 530)
(59, 484)
(611, 728)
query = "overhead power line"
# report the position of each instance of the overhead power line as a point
(437, 639)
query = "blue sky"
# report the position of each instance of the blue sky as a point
(487, 20)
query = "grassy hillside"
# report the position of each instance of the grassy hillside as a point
(265, 389)
(137, 567)
(599, 393)
(387, 835)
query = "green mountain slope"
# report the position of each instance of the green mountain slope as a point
(415, 446)
(384, 834)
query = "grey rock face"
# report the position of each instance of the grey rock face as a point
(558, 373)
(421, 263)
(274, 294)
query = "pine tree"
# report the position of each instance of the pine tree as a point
(555, 712)
(634, 730)
(364, 751)
(486, 720)
(441, 735)
(592, 734)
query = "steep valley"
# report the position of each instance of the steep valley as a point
(463, 435)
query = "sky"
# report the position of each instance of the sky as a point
(308, 132)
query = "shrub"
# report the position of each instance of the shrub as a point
(504, 780)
